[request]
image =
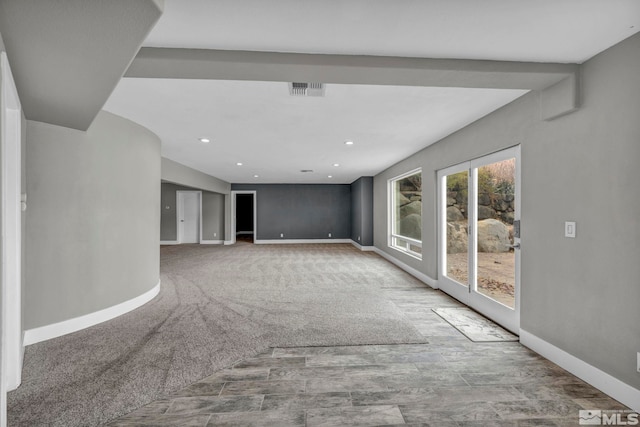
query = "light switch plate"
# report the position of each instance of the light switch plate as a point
(570, 229)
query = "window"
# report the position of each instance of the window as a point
(405, 205)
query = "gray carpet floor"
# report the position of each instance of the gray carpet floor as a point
(217, 305)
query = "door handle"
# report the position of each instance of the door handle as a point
(516, 246)
(182, 220)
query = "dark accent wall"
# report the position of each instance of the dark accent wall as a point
(301, 211)
(212, 213)
(244, 212)
(362, 211)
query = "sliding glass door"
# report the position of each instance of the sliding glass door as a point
(479, 235)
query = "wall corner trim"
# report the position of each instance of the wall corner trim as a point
(47, 332)
(610, 385)
(168, 242)
(412, 271)
(363, 248)
(229, 242)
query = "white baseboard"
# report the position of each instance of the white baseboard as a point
(229, 242)
(298, 241)
(168, 242)
(610, 385)
(55, 330)
(211, 242)
(412, 271)
(363, 248)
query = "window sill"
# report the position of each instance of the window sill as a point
(406, 252)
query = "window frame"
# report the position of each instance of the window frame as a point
(393, 239)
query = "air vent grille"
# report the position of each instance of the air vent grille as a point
(306, 170)
(306, 89)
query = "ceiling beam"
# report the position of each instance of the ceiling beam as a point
(346, 69)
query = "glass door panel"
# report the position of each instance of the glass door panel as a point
(457, 256)
(495, 257)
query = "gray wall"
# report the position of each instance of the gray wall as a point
(92, 219)
(301, 211)
(580, 294)
(184, 175)
(212, 213)
(213, 216)
(362, 211)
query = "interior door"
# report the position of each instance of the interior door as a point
(188, 217)
(479, 235)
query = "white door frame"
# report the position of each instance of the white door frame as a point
(179, 210)
(233, 213)
(450, 286)
(11, 212)
(505, 316)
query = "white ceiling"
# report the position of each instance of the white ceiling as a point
(275, 135)
(569, 31)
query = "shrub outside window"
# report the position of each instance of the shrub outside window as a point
(405, 205)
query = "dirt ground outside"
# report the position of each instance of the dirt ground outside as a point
(496, 274)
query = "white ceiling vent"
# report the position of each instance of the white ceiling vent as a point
(306, 89)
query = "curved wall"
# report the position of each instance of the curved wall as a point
(92, 220)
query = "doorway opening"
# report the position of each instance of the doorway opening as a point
(244, 227)
(189, 225)
(244, 218)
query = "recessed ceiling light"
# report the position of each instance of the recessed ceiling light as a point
(329, 176)
(205, 140)
(255, 176)
(348, 143)
(238, 164)
(336, 164)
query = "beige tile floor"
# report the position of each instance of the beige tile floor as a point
(450, 381)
